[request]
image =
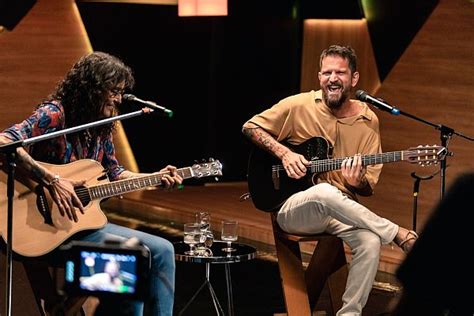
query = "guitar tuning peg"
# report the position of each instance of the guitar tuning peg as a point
(211, 159)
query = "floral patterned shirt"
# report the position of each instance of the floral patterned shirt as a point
(48, 118)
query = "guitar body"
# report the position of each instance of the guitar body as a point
(269, 193)
(32, 234)
(38, 227)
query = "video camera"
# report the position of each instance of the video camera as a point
(105, 270)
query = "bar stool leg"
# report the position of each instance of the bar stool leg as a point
(230, 299)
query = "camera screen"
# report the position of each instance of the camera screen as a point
(105, 272)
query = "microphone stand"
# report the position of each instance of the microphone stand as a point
(445, 134)
(416, 190)
(10, 151)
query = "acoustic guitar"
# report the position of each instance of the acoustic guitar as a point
(269, 185)
(38, 227)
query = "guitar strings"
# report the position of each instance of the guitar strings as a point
(124, 185)
(331, 164)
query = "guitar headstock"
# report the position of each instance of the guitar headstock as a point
(425, 155)
(207, 169)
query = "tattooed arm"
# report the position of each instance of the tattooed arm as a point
(61, 189)
(294, 164)
(25, 161)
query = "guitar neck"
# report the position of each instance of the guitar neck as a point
(373, 159)
(133, 184)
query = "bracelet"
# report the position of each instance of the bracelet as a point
(53, 181)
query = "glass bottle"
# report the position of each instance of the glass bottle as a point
(204, 220)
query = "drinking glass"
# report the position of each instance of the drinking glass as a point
(192, 236)
(229, 234)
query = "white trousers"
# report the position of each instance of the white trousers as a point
(324, 208)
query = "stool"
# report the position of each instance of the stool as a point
(302, 287)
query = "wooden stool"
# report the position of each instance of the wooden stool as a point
(301, 287)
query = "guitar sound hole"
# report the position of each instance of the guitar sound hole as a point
(83, 195)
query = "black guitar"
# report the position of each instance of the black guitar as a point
(269, 186)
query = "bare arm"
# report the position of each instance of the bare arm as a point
(294, 164)
(61, 189)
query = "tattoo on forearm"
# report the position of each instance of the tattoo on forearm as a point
(264, 140)
(259, 137)
(30, 165)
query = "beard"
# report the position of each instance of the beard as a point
(336, 102)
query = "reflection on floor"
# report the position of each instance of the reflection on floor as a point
(255, 283)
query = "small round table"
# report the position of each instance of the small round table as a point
(242, 253)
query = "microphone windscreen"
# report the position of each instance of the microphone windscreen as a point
(361, 95)
(128, 97)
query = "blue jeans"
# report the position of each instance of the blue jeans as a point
(161, 287)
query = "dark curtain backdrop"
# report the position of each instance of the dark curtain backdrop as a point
(216, 72)
(213, 72)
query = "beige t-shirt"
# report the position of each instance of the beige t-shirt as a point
(300, 117)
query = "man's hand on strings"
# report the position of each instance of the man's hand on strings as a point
(294, 164)
(170, 179)
(63, 194)
(353, 171)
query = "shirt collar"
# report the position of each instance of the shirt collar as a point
(365, 113)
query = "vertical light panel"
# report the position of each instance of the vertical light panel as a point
(202, 7)
(320, 33)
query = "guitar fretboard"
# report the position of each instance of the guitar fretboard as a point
(324, 165)
(374, 159)
(133, 184)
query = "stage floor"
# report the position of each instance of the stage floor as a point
(256, 283)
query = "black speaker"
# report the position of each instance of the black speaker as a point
(12, 11)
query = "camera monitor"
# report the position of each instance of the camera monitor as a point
(105, 270)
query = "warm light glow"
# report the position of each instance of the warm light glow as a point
(163, 2)
(84, 36)
(335, 23)
(202, 7)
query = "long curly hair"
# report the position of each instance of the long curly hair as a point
(85, 88)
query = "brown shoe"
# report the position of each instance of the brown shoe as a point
(407, 243)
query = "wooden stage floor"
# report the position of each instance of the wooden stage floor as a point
(222, 201)
(257, 289)
(163, 211)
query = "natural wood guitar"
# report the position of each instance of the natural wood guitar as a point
(269, 185)
(38, 227)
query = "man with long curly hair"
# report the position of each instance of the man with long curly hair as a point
(90, 91)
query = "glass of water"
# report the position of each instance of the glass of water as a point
(192, 236)
(229, 234)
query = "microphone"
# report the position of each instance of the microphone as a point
(378, 103)
(150, 104)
